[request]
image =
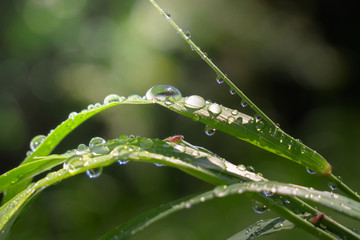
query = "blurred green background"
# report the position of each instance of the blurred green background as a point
(298, 61)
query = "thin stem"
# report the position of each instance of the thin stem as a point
(343, 187)
(213, 66)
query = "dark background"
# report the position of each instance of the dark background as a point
(297, 60)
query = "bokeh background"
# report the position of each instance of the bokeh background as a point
(298, 61)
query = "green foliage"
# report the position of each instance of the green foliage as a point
(258, 129)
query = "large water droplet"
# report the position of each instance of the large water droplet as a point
(209, 130)
(215, 109)
(162, 92)
(74, 163)
(94, 173)
(111, 98)
(96, 141)
(195, 102)
(36, 141)
(100, 149)
(259, 207)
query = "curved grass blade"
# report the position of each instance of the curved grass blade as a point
(264, 227)
(249, 129)
(61, 131)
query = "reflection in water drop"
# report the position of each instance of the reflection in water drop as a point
(195, 102)
(161, 92)
(36, 141)
(94, 173)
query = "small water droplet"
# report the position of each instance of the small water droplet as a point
(72, 115)
(221, 191)
(97, 105)
(134, 98)
(209, 130)
(195, 102)
(250, 169)
(303, 150)
(259, 207)
(187, 34)
(259, 125)
(230, 120)
(333, 187)
(168, 15)
(202, 199)
(36, 141)
(241, 167)
(232, 91)
(99, 149)
(310, 171)
(96, 141)
(219, 80)
(163, 92)
(111, 98)
(28, 153)
(74, 163)
(90, 107)
(215, 109)
(122, 162)
(81, 149)
(94, 173)
(243, 104)
(159, 165)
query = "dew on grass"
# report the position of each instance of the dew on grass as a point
(36, 141)
(90, 106)
(221, 191)
(122, 162)
(258, 207)
(94, 173)
(134, 98)
(100, 149)
(159, 165)
(74, 163)
(195, 102)
(97, 105)
(81, 149)
(214, 109)
(209, 130)
(72, 115)
(250, 169)
(164, 93)
(187, 34)
(230, 120)
(96, 141)
(243, 104)
(333, 187)
(241, 167)
(111, 98)
(232, 91)
(167, 15)
(310, 171)
(219, 80)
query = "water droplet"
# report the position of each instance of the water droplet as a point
(99, 149)
(123, 139)
(241, 167)
(28, 153)
(333, 187)
(232, 91)
(122, 162)
(230, 120)
(202, 199)
(167, 15)
(270, 193)
(209, 130)
(259, 207)
(234, 112)
(96, 141)
(163, 92)
(94, 173)
(257, 118)
(97, 105)
(259, 125)
(220, 191)
(159, 165)
(134, 98)
(36, 141)
(90, 107)
(72, 115)
(215, 109)
(250, 169)
(81, 149)
(219, 80)
(303, 150)
(243, 104)
(111, 98)
(121, 152)
(74, 163)
(194, 102)
(187, 34)
(310, 171)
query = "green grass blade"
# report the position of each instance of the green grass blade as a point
(247, 128)
(61, 131)
(264, 227)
